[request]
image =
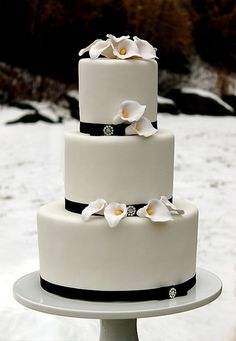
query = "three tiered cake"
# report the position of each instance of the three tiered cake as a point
(119, 235)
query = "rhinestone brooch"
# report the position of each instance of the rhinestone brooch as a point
(172, 292)
(108, 130)
(131, 210)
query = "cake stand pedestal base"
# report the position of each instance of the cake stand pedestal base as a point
(118, 319)
(117, 330)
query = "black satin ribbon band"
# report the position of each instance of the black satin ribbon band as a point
(78, 207)
(98, 129)
(162, 293)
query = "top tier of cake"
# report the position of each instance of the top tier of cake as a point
(105, 83)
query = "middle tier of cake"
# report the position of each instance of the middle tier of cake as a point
(130, 170)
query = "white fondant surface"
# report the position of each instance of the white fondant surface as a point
(123, 169)
(105, 83)
(137, 254)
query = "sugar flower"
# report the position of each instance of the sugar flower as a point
(96, 206)
(124, 49)
(97, 48)
(142, 127)
(129, 111)
(146, 50)
(114, 212)
(171, 207)
(120, 47)
(116, 40)
(156, 211)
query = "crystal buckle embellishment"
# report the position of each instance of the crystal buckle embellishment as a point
(172, 292)
(131, 210)
(108, 130)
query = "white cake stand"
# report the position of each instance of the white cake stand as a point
(118, 319)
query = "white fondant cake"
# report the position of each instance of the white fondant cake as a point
(118, 168)
(138, 254)
(118, 236)
(105, 83)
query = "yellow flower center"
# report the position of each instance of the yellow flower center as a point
(125, 114)
(137, 127)
(123, 52)
(149, 211)
(118, 212)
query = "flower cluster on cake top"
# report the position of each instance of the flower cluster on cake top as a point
(121, 48)
(157, 210)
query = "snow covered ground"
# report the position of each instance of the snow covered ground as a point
(31, 174)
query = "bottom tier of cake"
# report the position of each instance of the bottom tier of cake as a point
(136, 260)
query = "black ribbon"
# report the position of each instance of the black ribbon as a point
(98, 129)
(78, 207)
(162, 293)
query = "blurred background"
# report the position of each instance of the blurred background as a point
(196, 41)
(39, 44)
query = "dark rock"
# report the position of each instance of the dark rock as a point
(197, 101)
(167, 105)
(73, 106)
(23, 106)
(32, 116)
(231, 100)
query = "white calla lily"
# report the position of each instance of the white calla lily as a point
(129, 111)
(146, 50)
(171, 207)
(120, 47)
(97, 48)
(96, 206)
(86, 49)
(116, 40)
(114, 212)
(142, 127)
(156, 211)
(125, 48)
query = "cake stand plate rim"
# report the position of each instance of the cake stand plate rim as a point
(28, 292)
